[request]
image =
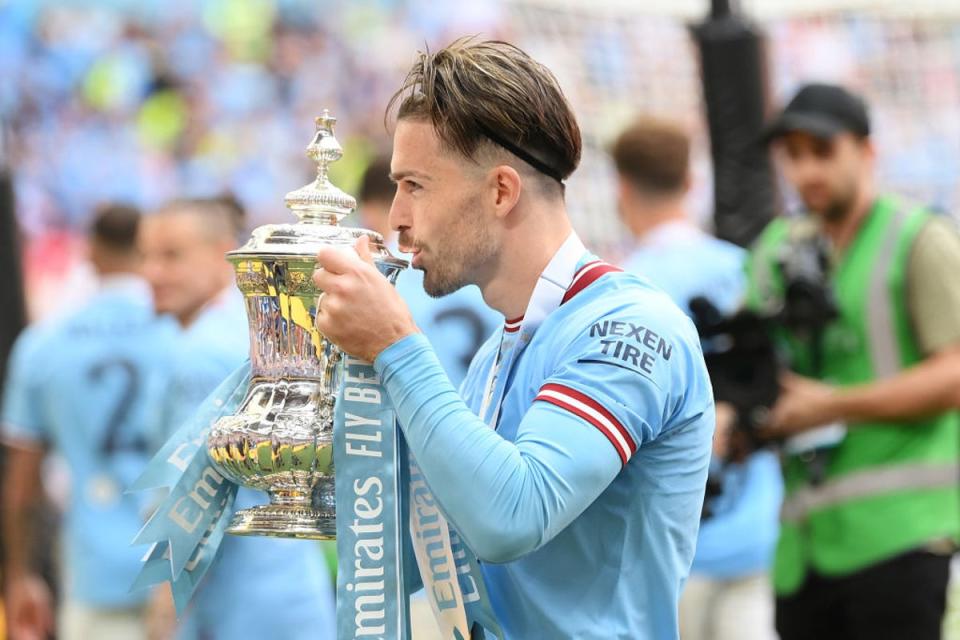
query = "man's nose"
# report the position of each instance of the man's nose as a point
(151, 270)
(399, 216)
(806, 168)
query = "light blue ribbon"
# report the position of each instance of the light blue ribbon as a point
(188, 526)
(376, 568)
(372, 594)
(436, 530)
(483, 622)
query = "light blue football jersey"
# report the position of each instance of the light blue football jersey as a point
(90, 386)
(258, 587)
(687, 263)
(584, 504)
(456, 325)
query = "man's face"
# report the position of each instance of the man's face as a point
(827, 173)
(184, 267)
(439, 210)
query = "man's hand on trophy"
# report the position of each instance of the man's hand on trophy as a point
(358, 309)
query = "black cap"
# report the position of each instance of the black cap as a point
(823, 111)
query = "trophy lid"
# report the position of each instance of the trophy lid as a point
(320, 206)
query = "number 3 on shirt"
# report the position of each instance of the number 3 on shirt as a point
(478, 331)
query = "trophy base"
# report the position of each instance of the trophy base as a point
(283, 521)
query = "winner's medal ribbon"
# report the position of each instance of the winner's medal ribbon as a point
(450, 571)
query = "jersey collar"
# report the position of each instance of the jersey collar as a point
(126, 284)
(229, 299)
(552, 285)
(668, 234)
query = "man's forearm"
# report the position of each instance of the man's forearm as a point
(16, 532)
(504, 498)
(21, 479)
(931, 387)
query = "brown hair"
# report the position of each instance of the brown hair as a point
(491, 92)
(654, 155)
(220, 218)
(376, 186)
(114, 226)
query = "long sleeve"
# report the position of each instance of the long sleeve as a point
(505, 498)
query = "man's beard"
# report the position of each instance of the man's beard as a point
(838, 207)
(468, 246)
(454, 265)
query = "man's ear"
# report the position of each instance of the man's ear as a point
(624, 189)
(506, 185)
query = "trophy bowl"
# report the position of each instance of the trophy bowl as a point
(280, 440)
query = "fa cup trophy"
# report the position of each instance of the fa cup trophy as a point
(281, 438)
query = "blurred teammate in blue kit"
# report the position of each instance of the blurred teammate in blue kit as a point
(87, 387)
(728, 595)
(258, 587)
(456, 325)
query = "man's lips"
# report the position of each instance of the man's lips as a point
(814, 191)
(413, 250)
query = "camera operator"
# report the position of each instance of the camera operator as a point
(869, 524)
(728, 594)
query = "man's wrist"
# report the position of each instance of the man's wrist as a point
(838, 404)
(397, 351)
(398, 336)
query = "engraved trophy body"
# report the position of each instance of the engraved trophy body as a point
(280, 440)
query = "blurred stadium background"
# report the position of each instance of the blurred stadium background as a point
(144, 100)
(141, 100)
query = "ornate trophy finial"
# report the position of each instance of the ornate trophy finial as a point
(324, 148)
(321, 202)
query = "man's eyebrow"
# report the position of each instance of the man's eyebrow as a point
(400, 175)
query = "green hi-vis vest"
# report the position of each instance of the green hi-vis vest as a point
(888, 487)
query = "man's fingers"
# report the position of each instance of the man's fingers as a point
(334, 262)
(789, 380)
(323, 278)
(322, 320)
(331, 282)
(329, 307)
(363, 249)
(336, 259)
(777, 422)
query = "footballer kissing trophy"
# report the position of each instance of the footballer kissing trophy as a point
(280, 440)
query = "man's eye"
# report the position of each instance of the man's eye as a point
(823, 149)
(411, 185)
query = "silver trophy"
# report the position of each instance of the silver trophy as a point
(281, 438)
